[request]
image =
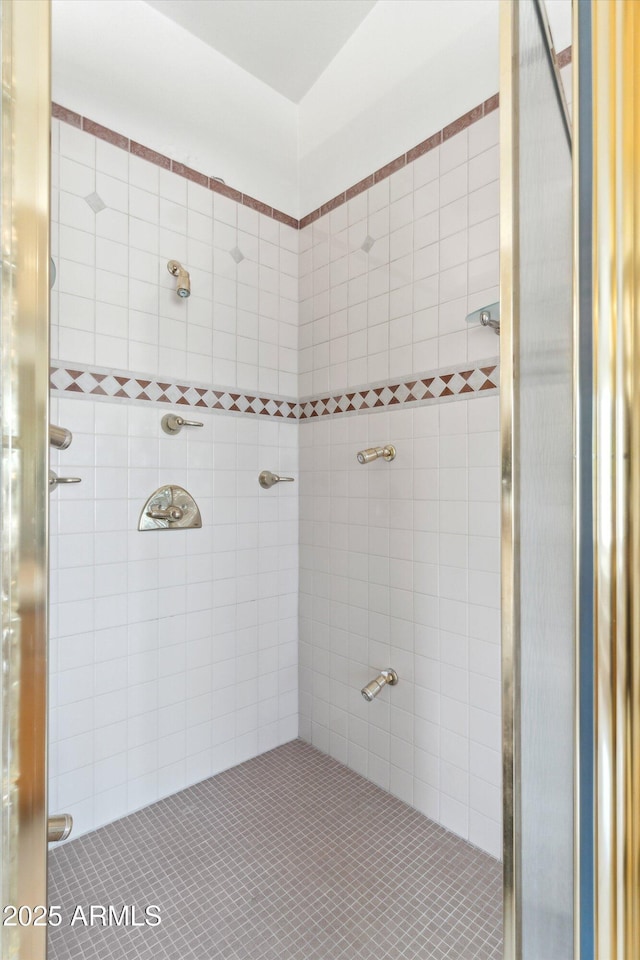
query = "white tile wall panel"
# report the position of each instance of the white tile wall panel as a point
(400, 561)
(174, 657)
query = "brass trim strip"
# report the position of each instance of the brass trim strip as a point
(25, 146)
(616, 253)
(509, 272)
(577, 508)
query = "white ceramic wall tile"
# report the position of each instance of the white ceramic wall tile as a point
(432, 238)
(117, 257)
(396, 568)
(167, 649)
(141, 625)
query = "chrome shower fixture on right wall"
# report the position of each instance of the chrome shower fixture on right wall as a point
(487, 317)
(183, 285)
(388, 453)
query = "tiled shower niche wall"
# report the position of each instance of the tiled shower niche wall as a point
(400, 560)
(173, 655)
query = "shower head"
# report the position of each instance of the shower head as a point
(388, 453)
(183, 285)
(372, 689)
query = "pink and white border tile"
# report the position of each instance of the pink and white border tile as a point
(112, 385)
(433, 387)
(215, 184)
(436, 386)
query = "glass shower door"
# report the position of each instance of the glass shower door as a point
(24, 406)
(537, 413)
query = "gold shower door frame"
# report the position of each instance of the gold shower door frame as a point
(616, 320)
(615, 323)
(24, 348)
(518, 583)
(24, 413)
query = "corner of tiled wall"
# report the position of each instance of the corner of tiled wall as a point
(176, 655)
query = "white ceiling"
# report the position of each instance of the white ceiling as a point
(285, 43)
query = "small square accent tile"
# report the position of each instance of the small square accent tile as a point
(96, 202)
(290, 856)
(237, 254)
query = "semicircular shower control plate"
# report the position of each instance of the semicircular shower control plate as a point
(170, 508)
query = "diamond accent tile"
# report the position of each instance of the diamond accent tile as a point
(429, 388)
(96, 202)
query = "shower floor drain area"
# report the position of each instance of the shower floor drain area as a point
(290, 856)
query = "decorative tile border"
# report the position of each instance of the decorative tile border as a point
(563, 58)
(146, 153)
(111, 385)
(433, 387)
(436, 386)
(435, 140)
(212, 183)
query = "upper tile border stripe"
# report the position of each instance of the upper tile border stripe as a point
(152, 156)
(146, 153)
(462, 380)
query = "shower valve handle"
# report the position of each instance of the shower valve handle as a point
(55, 480)
(172, 423)
(267, 479)
(166, 513)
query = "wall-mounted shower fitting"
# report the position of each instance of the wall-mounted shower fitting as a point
(55, 480)
(488, 316)
(388, 452)
(183, 285)
(59, 827)
(171, 423)
(59, 437)
(170, 508)
(266, 479)
(372, 689)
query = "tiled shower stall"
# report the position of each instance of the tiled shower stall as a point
(175, 657)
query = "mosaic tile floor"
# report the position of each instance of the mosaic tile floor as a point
(289, 856)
